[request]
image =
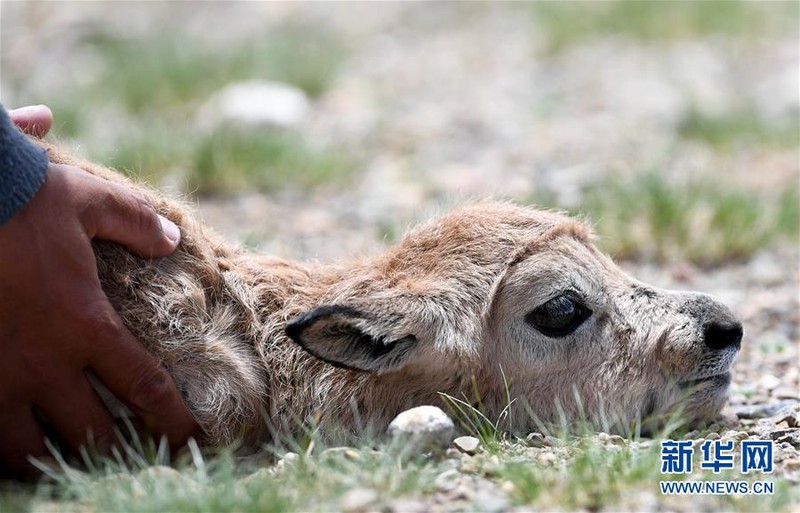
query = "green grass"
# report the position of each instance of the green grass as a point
(226, 161)
(586, 474)
(621, 478)
(569, 22)
(137, 112)
(744, 127)
(651, 218)
(161, 71)
(316, 480)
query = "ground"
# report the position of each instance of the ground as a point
(673, 127)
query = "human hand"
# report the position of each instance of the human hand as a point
(56, 323)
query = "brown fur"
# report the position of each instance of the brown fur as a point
(443, 311)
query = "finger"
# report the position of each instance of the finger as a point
(35, 120)
(23, 437)
(121, 214)
(136, 378)
(80, 418)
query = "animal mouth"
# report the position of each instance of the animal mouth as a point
(721, 380)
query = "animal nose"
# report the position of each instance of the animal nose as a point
(723, 336)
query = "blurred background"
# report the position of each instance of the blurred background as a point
(323, 130)
(320, 130)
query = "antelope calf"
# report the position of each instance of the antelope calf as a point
(491, 301)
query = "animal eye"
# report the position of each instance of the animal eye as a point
(558, 317)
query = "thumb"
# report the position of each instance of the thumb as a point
(126, 216)
(34, 120)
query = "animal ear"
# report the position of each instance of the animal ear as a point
(347, 337)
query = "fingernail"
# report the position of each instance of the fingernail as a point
(169, 228)
(30, 109)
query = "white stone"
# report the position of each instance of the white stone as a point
(467, 444)
(358, 499)
(255, 103)
(421, 429)
(769, 381)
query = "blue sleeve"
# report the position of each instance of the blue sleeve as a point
(23, 167)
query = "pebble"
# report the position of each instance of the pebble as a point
(290, 458)
(769, 382)
(790, 415)
(790, 436)
(611, 439)
(736, 436)
(467, 444)
(755, 411)
(348, 453)
(452, 453)
(422, 429)
(786, 393)
(358, 499)
(255, 103)
(535, 440)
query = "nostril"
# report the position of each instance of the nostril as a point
(722, 337)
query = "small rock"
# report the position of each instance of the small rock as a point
(769, 381)
(467, 444)
(290, 458)
(786, 393)
(358, 499)
(348, 453)
(422, 429)
(713, 436)
(611, 439)
(736, 436)
(255, 103)
(535, 440)
(790, 436)
(470, 465)
(790, 415)
(757, 411)
(452, 453)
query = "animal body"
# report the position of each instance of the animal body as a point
(492, 302)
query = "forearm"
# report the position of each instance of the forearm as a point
(23, 167)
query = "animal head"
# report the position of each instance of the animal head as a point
(512, 303)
